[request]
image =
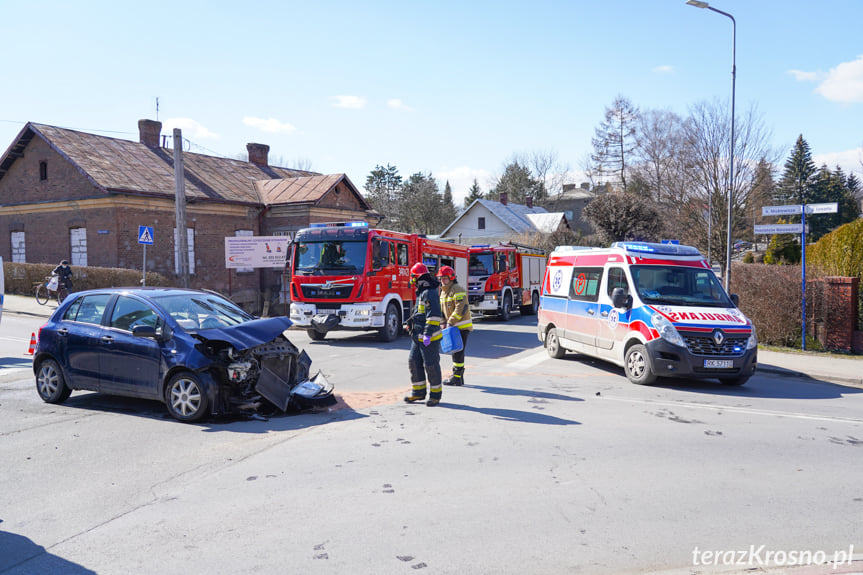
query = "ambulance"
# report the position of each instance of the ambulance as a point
(656, 310)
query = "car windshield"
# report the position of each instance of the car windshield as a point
(679, 285)
(194, 311)
(481, 264)
(330, 257)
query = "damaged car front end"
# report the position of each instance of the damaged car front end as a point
(259, 369)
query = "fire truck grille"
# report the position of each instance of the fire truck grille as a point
(319, 292)
(705, 345)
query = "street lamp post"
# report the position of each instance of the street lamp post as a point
(699, 4)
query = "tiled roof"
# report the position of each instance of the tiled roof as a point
(304, 189)
(124, 166)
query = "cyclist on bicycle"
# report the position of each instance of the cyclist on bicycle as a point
(64, 273)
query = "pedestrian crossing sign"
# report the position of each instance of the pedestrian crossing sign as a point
(145, 235)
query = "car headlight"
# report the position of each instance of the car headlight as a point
(752, 341)
(666, 330)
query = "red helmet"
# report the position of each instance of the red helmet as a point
(419, 269)
(446, 271)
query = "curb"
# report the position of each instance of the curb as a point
(818, 377)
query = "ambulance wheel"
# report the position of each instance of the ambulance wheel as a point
(506, 307)
(637, 367)
(552, 344)
(315, 334)
(392, 324)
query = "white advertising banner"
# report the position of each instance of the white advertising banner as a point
(256, 251)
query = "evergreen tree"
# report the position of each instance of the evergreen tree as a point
(383, 186)
(830, 187)
(423, 208)
(798, 180)
(518, 183)
(474, 193)
(614, 142)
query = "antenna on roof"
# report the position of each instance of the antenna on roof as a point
(157, 108)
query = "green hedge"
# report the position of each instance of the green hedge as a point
(839, 253)
(21, 278)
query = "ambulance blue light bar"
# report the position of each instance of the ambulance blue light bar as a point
(339, 225)
(657, 249)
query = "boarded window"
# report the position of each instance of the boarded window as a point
(78, 243)
(18, 247)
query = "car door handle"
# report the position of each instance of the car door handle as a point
(107, 339)
(604, 314)
(591, 311)
(63, 331)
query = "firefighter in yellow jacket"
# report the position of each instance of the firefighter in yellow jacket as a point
(456, 313)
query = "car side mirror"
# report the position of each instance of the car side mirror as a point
(619, 298)
(144, 331)
(735, 299)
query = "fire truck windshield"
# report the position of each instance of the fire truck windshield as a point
(330, 257)
(481, 264)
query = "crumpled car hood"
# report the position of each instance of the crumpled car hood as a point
(247, 335)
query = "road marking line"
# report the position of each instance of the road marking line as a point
(750, 410)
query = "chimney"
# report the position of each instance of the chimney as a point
(258, 154)
(504, 197)
(530, 202)
(149, 132)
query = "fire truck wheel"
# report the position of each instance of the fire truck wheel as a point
(392, 324)
(316, 335)
(532, 307)
(506, 307)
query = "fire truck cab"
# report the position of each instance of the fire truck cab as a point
(346, 276)
(503, 277)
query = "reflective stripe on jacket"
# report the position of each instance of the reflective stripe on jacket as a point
(455, 308)
(426, 317)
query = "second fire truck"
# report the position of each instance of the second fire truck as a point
(504, 276)
(346, 276)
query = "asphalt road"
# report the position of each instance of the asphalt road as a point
(537, 466)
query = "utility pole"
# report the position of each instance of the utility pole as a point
(180, 204)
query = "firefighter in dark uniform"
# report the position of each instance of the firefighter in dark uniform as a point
(424, 328)
(456, 313)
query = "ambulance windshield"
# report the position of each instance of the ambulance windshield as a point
(679, 285)
(330, 257)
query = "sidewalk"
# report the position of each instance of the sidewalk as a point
(818, 366)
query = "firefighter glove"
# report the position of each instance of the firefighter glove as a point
(426, 340)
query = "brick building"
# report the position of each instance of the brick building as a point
(71, 195)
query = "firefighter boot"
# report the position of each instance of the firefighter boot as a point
(457, 377)
(418, 392)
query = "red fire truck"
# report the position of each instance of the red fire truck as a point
(503, 276)
(347, 276)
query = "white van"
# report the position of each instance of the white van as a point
(657, 310)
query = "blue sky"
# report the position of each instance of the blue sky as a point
(454, 88)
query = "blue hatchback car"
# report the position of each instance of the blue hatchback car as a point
(196, 351)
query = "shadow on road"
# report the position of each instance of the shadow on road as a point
(525, 392)
(512, 414)
(16, 551)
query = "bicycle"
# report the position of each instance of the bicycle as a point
(43, 291)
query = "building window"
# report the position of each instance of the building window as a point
(43, 171)
(190, 240)
(78, 243)
(480, 223)
(244, 233)
(18, 254)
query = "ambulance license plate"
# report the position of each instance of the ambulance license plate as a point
(719, 363)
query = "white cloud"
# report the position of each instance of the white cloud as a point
(844, 83)
(352, 102)
(848, 160)
(460, 180)
(802, 76)
(664, 69)
(191, 128)
(398, 105)
(269, 125)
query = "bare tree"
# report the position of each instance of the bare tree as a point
(614, 141)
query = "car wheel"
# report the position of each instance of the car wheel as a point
(733, 381)
(186, 397)
(552, 344)
(506, 307)
(50, 384)
(315, 334)
(637, 367)
(392, 322)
